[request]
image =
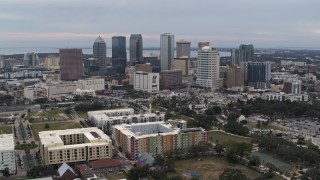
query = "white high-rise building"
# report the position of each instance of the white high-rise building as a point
(7, 155)
(208, 68)
(166, 51)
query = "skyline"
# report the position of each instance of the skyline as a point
(77, 23)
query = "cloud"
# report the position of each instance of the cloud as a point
(9, 16)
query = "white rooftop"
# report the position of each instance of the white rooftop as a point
(142, 130)
(6, 142)
(53, 139)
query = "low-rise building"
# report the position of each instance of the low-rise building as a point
(7, 155)
(96, 84)
(74, 145)
(155, 138)
(104, 166)
(283, 97)
(82, 92)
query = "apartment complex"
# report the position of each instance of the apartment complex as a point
(208, 63)
(74, 145)
(7, 155)
(107, 118)
(155, 138)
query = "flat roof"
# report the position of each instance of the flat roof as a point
(52, 138)
(148, 129)
(6, 142)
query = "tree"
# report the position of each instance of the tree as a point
(67, 111)
(234, 174)
(219, 148)
(46, 126)
(254, 161)
(6, 172)
(138, 173)
(311, 174)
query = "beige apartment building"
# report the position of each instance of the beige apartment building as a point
(74, 145)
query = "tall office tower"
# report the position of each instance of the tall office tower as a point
(71, 64)
(182, 63)
(208, 68)
(100, 53)
(257, 74)
(202, 44)
(119, 54)
(166, 51)
(235, 57)
(136, 47)
(183, 49)
(31, 59)
(235, 77)
(91, 67)
(246, 53)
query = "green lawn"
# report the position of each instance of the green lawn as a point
(210, 167)
(6, 129)
(116, 176)
(84, 115)
(36, 128)
(226, 139)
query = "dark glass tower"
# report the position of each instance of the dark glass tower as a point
(119, 54)
(246, 53)
(136, 48)
(100, 53)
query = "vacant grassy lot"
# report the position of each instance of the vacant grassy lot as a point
(226, 139)
(116, 176)
(36, 128)
(211, 167)
(6, 129)
(274, 127)
(48, 115)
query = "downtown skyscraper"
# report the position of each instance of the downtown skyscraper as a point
(246, 53)
(71, 64)
(119, 54)
(183, 49)
(166, 51)
(136, 46)
(100, 53)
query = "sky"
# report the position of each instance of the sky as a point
(224, 23)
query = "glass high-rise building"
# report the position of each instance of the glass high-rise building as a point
(100, 53)
(166, 51)
(119, 54)
(246, 53)
(136, 46)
